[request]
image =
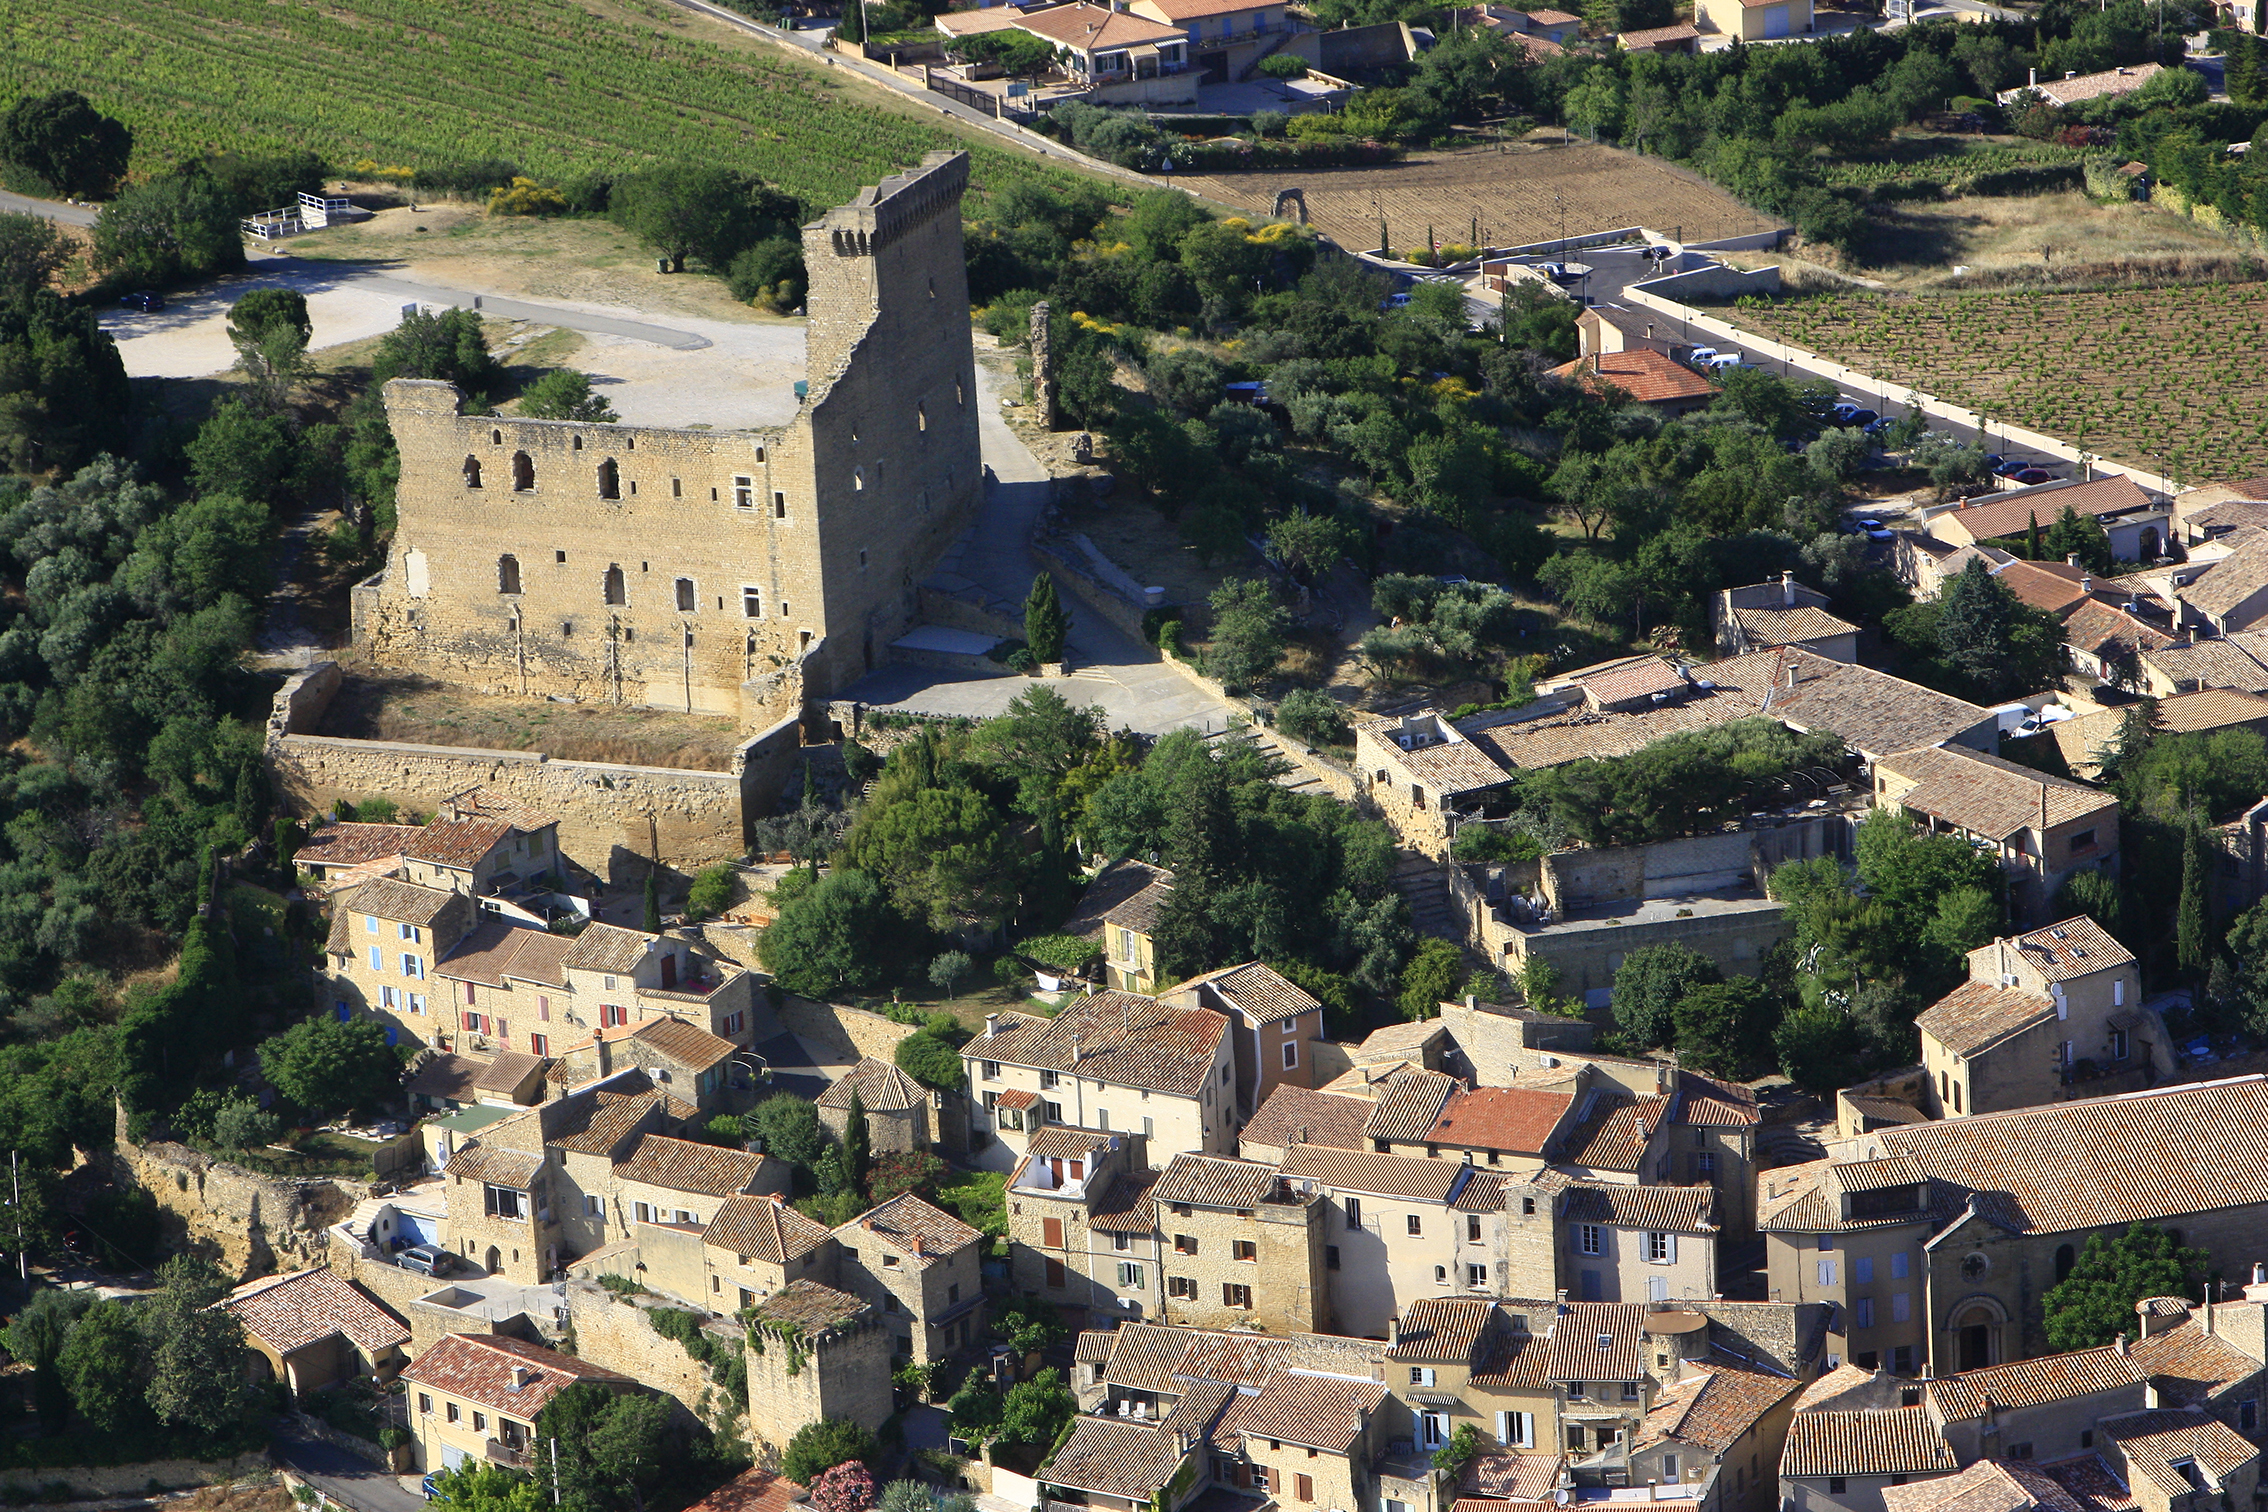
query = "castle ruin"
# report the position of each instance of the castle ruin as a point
(755, 573)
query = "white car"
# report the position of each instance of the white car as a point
(1700, 356)
(1719, 362)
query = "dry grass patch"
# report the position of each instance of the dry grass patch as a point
(417, 711)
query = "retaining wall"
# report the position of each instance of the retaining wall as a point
(854, 1031)
(1890, 399)
(247, 1223)
(90, 1482)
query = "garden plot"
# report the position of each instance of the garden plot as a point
(2169, 379)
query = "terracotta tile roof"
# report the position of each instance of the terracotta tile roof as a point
(1986, 1486)
(1091, 28)
(2096, 627)
(401, 903)
(508, 1072)
(815, 1309)
(1114, 1457)
(1409, 1105)
(753, 1491)
(1093, 1345)
(1143, 1356)
(1638, 677)
(1714, 1406)
(2191, 1366)
(1641, 374)
(607, 948)
(1654, 36)
(1500, 1475)
(2073, 947)
(1614, 1137)
(343, 843)
(478, 1368)
(2053, 587)
(1482, 1192)
(1777, 625)
(499, 950)
(1210, 1181)
(600, 1121)
(1797, 1199)
(2113, 81)
(1513, 1358)
(504, 1168)
(1190, 10)
(1127, 1206)
(447, 1076)
(2011, 513)
(1451, 766)
(1988, 796)
(1126, 893)
(688, 1044)
(928, 1232)
(1885, 1441)
(1662, 1209)
(2091, 1483)
(1501, 1118)
(1887, 1108)
(1201, 1408)
(764, 1228)
(1873, 712)
(1240, 1359)
(1017, 1097)
(2153, 1441)
(1575, 1351)
(2182, 714)
(2028, 1383)
(1549, 741)
(1977, 1014)
(1380, 1175)
(1260, 991)
(1123, 1039)
(1294, 1115)
(291, 1312)
(1708, 1103)
(881, 1088)
(1447, 1329)
(1315, 1411)
(1400, 1041)
(1062, 1142)
(457, 842)
(2216, 663)
(683, 1165)
(2225, 584)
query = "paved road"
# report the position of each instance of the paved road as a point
(342, 1477)
(54, 210)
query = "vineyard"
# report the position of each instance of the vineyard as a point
(554, 85)
(1957, 163)
(2170, 379)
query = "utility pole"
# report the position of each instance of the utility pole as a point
(555, 1470)
(16, 1198)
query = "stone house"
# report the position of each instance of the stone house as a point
(1314, 1439)
(1850, 1234)
(1417, 768)
(773, 565)
(1766, 616)
(1297, 1115)
(756, 1245)
(1640, 375)
(341, 853)
(385, 938)
(923, 1268)
(2213, 1358)
(1622, 1243)
(825, 1357)
(2186, 666)
(2138, 523)
(1398, 1229)
(1716, 1435)
(1080, 1227)
(1240, 1247)
(2044, 830)
(312, 1328)
(2230, 594)
(693, 1063)
(475, 1397)
(899, 1110)
(2040, 1014)
(1459, 1361)
(1128, 1466)
(2207, 709)
(1408, 1103)
(1491, 1125)
(480, 845)
(1273, 1027)
(2009, 1198)
(1119, 913)
(1114, 1062)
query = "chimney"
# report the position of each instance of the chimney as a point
(2073, 73)
(1075, 1051)
(2071, 559)
(1787, 588)
(2086, 582)
(2122, 1346)
(2209, 1306)
(1393, 1330)
(1791, 677)
(519, 1376)
(991, 1025)
(605, 1052)
(2033, 82)
(1472, 1002)
(1649, 330)
(1306, 1135)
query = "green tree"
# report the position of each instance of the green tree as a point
(686, 209)
(59, 144)
(2084, 538)
(477, 1486)
(32, 252)
(1595, 105)
(448, 345)
(167, 231)
(975, 1409)
(35, 1338)
(1430, 978)
(1820, 1048)
(1310, 545)
(1990, 640)
(834, 938)
(2191, 948)
(2095, 1304)
(1248, 632)
(1648, 986)
(195, 1350)
(270, 329)
(564, 394)
(1312, 716)
(1037, 1410)
(713, 890)
(325, 1066)
(244, 451)
(105, 1368)
(608, 1452)
(62, 383)
(1028, 1324)
(1045, 622)
(855, 1140)
(821, 1446)
(947, 969)
(789, 1128)
(932, 1060)
(1725, 1028)
(652, 921)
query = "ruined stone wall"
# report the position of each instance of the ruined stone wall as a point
(854, 1031)
(845, 1376)
(729, 572)
(246, 1223)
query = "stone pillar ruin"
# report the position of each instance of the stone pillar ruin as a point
(1043, 368)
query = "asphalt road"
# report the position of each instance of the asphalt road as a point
(54, 210)
(342, 1477)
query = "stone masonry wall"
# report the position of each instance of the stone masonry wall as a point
(854, 1031)
(844, 1377)
(615, 1333)
(248, 1224)
(92, 1482)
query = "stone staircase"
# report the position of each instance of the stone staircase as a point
(1421, 882)
(1295, 778)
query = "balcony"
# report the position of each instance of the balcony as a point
(500, 1453)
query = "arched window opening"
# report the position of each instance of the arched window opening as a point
(507, 574)
(523, 473)
(629, 443)
(472, 472)
(685, 600)
(614, 590)
(609, 480)
(495, 438)
(577, 443)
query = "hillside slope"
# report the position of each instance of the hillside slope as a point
(555, 85)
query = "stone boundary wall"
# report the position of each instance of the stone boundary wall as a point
(938, 608)
(248, 1223)
(92, 1482)
(1892, 397)
(854, 1031)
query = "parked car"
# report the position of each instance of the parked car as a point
(1879, 426)
(425, 1259)
(1395, 301)
(2031, 475)
(145, 300)
(1700, 356)
(1722, 362)
(1851, 414)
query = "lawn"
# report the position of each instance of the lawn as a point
(2169, 379)
(556, 86)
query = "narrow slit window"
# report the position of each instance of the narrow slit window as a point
(615, 594)
(779, 505)
(677, 488)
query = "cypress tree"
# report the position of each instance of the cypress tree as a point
(652, 923)
(2189, 923)
(854, 1140)
(1045, 623)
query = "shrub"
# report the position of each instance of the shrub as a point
(932, 1060)
(1283, 66)
(1313, 717)
(897, 1172)
(714, 888)
(1063, 952)
(821, 1446)
(1479, 842)
(524, 196)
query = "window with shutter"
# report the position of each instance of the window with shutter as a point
(1306, 1487)
(1051, 1232)
(1055, 1274)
